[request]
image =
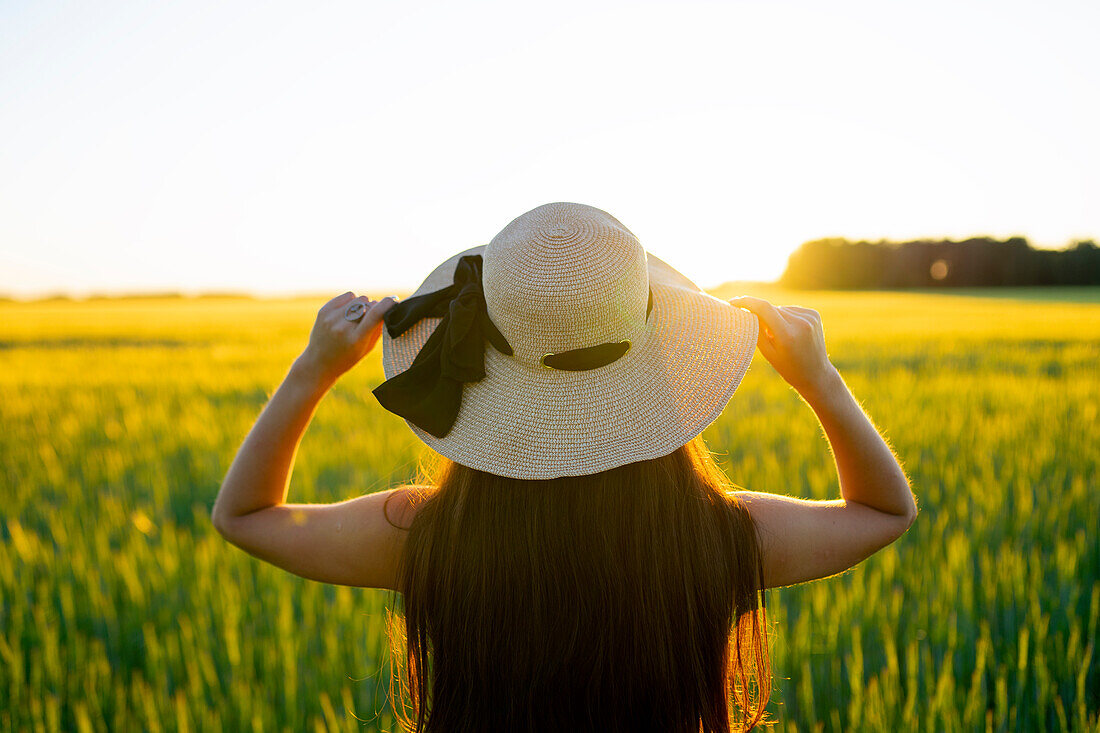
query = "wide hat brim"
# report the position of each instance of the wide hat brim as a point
(532, 422)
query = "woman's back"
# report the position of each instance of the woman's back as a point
(600, 602)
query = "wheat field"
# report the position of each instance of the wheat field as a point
(122, 609)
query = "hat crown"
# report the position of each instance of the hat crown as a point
(565, 276)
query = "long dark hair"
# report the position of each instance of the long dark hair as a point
(627, 600)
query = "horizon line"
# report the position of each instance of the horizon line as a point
(243, 294)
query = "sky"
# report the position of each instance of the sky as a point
(321, 147)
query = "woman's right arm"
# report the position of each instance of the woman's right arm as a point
(802, 539)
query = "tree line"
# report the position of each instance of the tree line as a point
(838, 263)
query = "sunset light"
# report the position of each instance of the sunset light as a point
(694, 366)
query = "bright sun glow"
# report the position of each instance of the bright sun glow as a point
(300, 147)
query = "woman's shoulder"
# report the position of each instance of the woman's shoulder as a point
(403, 503)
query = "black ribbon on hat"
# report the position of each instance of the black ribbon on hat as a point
(429, 393)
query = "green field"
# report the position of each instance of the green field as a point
(122, 609)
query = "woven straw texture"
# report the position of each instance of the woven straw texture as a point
(566, 276)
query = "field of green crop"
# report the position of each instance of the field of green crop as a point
(122, 609)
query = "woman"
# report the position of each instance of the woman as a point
(579, 562)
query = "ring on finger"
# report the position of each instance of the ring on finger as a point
(355, 311)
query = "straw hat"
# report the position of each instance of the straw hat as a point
(567, 280)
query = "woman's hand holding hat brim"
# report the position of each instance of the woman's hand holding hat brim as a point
(792, 339)
(347, 329)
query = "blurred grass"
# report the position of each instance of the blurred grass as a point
(121, 608)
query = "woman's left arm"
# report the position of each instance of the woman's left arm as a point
(350, 542)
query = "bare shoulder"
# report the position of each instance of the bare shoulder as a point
(401, 504)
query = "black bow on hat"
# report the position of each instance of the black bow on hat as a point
(429, 393)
